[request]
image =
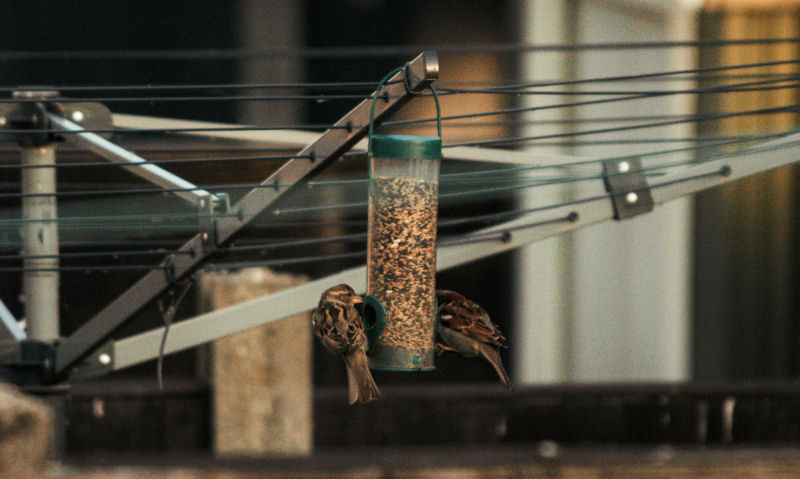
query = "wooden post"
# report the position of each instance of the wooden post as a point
(262, 378)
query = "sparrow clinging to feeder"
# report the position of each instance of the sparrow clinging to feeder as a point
(339, 327)
(466, 328)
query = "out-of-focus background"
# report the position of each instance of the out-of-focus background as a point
(635, 332)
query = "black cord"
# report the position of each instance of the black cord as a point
(368, 51)
(697, 74)
(686, 91)
(653, 75)
(339, 97)
(696, 118)
(168, 314)
(505, 111)
(307, 259)
(178, 161)
(212, 86)
(153, 99)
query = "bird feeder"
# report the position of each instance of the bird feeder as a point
(401, 248)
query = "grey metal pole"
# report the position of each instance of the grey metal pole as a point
(40, 242)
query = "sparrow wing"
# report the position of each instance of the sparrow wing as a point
(469, 318)
(339, 328)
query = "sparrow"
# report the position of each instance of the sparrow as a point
(466, 328)
(338, 325)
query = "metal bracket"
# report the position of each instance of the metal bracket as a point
(25, 121)
(26, 362)
(209, 208)
(627, 185)
(94, 117)
(99, 363)
(9, 327)
(420, 74)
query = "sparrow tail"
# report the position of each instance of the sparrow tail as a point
(493, 356)
(361, 385)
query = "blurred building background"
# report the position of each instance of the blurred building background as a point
(609, 303)
(746, 263)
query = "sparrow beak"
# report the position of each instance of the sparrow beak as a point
(357, 299)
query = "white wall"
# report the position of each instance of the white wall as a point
(540, 337)
(611, 302)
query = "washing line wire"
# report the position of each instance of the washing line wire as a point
(741, 87)
(372, 51)
(247, 186)
(372, 84)
(362, 254)
(521, 183)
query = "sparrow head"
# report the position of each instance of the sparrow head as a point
(447, 296)
(341, 294)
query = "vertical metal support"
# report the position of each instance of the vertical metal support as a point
(40, 242)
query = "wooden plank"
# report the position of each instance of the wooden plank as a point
(547, 460)
(26, 434)
(262, 378)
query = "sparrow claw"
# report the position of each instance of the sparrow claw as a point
(442, 348)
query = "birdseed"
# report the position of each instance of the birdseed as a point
(402, 259)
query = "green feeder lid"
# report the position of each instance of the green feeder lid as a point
(407, 147)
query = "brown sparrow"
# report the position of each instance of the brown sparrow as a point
(466, 328)
(339, 327)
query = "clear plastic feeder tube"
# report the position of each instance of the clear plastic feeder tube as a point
(401, 242)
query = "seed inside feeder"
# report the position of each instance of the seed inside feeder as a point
(401, 262)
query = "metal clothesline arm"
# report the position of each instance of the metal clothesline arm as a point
(130, 161)
(534, 226)
(9, 327)
(217, 231)
(298, 139)
(290, 139)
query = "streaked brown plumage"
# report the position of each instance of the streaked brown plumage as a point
(466, 328)
(339, 327)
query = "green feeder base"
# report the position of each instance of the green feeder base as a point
(390, 359)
